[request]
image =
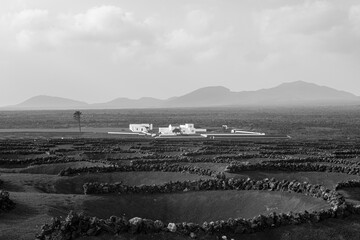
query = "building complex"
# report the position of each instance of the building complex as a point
(188, 130)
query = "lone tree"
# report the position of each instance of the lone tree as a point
(77, 117)
(177, 131)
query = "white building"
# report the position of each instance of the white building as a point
(239, 131)
(186, 129)
(143, 127)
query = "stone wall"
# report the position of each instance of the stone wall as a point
(143, 168)
(234, 159)
(181, 160)
(318, 159)
(290, 166)
(348, 184)
(318, 191)
(76, 225)
(6, 204)
(38, 160)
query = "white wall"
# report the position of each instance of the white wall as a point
(144, 127)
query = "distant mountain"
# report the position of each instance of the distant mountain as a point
(304, 92)
(145, 102)
(296, 93)
(48, 102)
(203, 97)
(287, 94)
(293, 93)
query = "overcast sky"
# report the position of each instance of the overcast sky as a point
(95, 50)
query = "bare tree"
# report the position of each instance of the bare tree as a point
(77, 117)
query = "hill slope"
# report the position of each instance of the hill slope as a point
(293, 93)
(145, 102)
(43, 102)
(296, 93)
(203, 97)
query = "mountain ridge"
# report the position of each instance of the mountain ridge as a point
(45, 101)
(289, 93)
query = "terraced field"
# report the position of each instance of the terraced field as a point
(178, 181)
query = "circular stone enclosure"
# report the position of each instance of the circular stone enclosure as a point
(74, 184)
(201, 206)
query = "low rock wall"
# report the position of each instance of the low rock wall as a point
(290, 166)
(76, 225)
(40, 161)
(348, 184)
(318, 191)
(318, 159)
(143, 168)
(180, 160)
(234, 159)
(6, 204)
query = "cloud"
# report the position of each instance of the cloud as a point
(200, 39)
(29, 29)
(313, 26)
(35, 27)
(180, 39)
(207, 55)
(106, 24)
(354, 18)
(199, 22)
(309, 18)
(183, 46)
(32, 19)
(194, 40)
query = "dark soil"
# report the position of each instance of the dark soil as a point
(198, 207)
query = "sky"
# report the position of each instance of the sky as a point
(96, 50)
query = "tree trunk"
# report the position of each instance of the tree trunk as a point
(79, 125)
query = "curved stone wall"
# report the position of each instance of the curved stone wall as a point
(143, 168)
(6, 204)
(76, 225)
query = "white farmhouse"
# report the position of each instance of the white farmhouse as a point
(186, 129)
(143, 127)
